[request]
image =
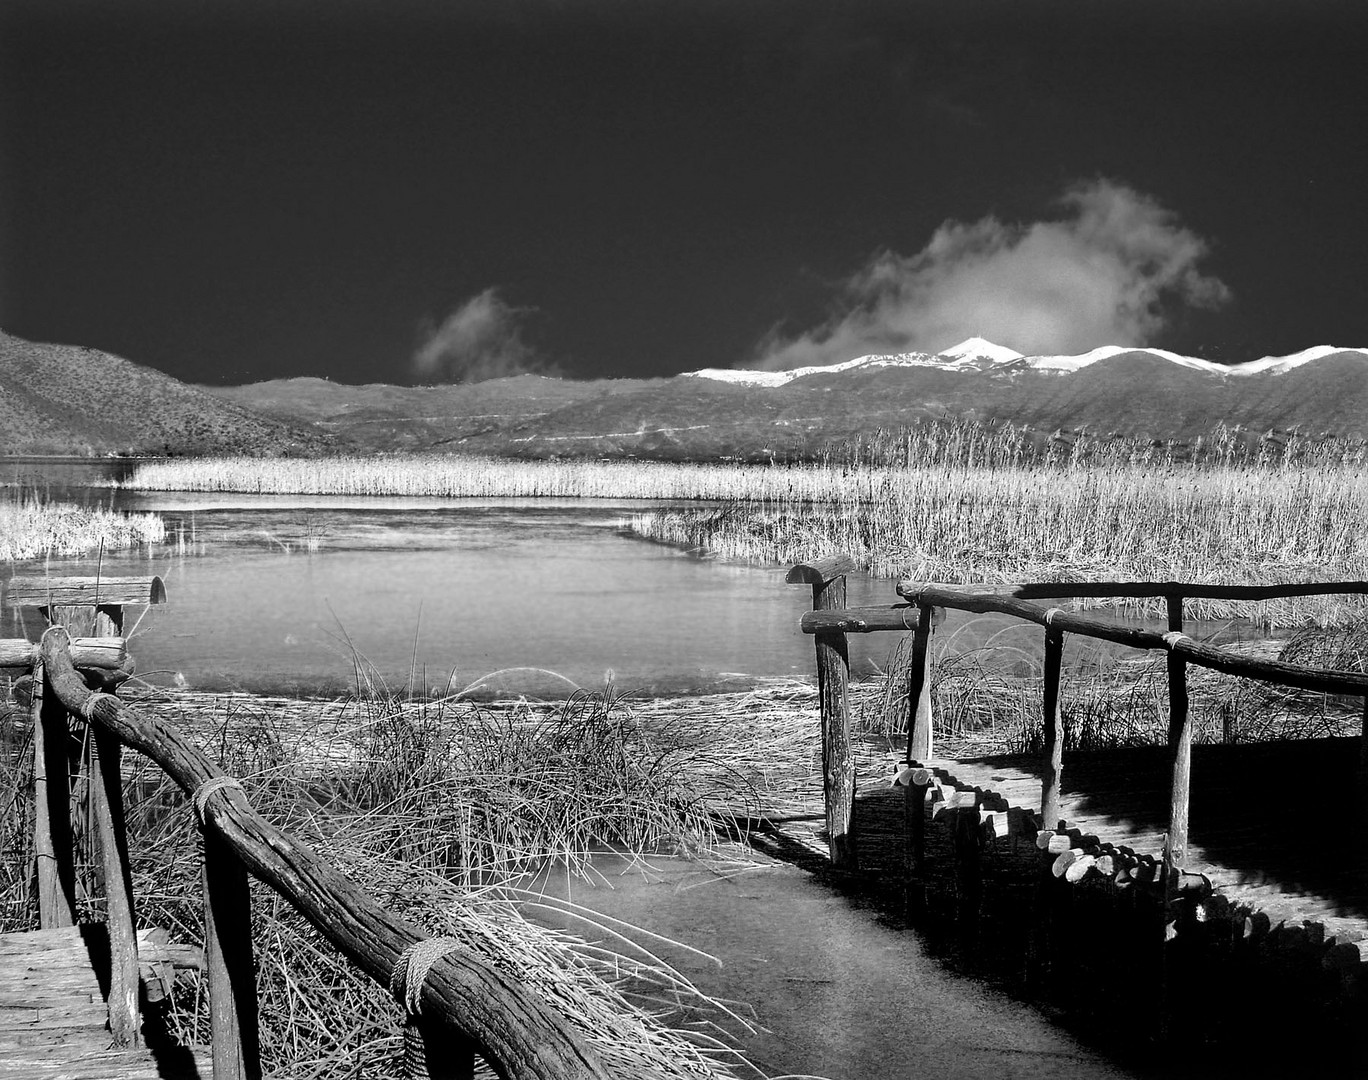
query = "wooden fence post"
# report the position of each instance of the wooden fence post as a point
(1053, 764)
(1180, 745)
(52, 835)
(106, 787)
(919, 735)
(827, 578)
(233, 1024)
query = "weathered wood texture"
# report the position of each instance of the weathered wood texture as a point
(511, 1024)
(234, 1030)
(71, 591)
(52, 1015)
(821, 571)
(1180, 746)
(86, 652)
(833, 678)
(967, 598)
(1053, 757)
(53, 851)
(1146, 590)
(919, 737)
(106, 787)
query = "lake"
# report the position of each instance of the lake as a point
(306, 594)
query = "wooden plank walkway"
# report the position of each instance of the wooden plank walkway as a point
(53, 1019)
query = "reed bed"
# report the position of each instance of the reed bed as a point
(947, 502)
(465, 476)
(33, 528)
(1232, 524)
(440, 808)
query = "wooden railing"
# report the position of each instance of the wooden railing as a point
(457, 1005)
(830, 621)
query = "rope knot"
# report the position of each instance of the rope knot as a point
(202, 793)
(412, 967)
(1049, 615)
(92, 702)
(1173, 637)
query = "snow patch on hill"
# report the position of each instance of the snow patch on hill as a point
(977, 353)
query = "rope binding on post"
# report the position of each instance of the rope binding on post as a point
(202, 793)
(90, 704)
(412, 967)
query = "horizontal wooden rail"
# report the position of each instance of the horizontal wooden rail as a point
(971, 598)
(95, 591)
(105, 653)
(1048, 590)
(512, 1027)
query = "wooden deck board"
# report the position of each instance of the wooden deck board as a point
(53, 1019)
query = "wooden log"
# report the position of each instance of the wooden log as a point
(1053, 755)
(1180, 746)
(866, 620)
(106, 789)
(1078, 869)
(68, 591)
(1147, 589)
(995, 824)
(516, 1030)
(919, 736)
(86, 652)
(159, 958)
(53, 849)
(828, 581)
(233, 1020)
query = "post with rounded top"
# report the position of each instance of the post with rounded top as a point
(1180, 745)
(827, 578)
(919, 737)
(1053, 771)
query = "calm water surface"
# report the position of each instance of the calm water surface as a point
(306, 594)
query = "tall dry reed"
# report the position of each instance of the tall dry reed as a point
(32, 527)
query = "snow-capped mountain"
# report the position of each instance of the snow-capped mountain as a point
(977, 353)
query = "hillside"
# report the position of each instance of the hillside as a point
(65, 399)
(379, 416)
(47, 396)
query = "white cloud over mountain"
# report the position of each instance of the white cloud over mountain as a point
(1109, 269)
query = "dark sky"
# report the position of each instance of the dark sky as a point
(388, 191)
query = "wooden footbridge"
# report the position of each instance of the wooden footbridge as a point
(1231, 858)
(70, 994)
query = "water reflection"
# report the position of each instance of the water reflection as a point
(308, 594)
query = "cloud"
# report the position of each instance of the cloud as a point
(482, 339)
(1107, 272)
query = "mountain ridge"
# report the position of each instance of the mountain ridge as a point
(70, 399)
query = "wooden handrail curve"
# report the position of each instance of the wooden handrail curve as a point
(518, 1033)
(977, 599)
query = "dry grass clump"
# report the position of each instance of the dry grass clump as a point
(436, 809)
(31, 528)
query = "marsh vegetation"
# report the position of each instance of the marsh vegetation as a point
(953, 502)
(31, 527)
